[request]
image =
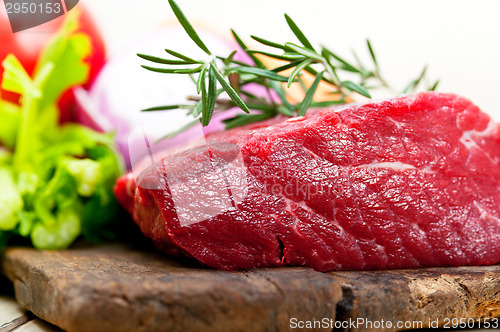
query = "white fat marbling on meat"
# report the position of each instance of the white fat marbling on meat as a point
(469, 137)
(394, 165)
(485, 214)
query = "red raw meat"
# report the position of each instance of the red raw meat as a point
(408, 182)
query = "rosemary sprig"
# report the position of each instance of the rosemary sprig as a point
(217, 75)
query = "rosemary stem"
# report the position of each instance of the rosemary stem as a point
(334, 78)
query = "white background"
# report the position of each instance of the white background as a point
(459, 40)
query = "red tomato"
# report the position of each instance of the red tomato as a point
(26, 46)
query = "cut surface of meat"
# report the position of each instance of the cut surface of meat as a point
(407, 182)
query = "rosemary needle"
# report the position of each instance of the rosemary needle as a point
(218, 75)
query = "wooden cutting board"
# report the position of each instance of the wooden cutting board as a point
(120, 288)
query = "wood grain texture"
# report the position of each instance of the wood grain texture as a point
(115, 287)
(429, 296)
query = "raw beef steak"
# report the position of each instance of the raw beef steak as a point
(408, 182)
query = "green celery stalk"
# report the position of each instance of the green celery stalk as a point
(11, 201)
(54, 175)
(10, 115)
